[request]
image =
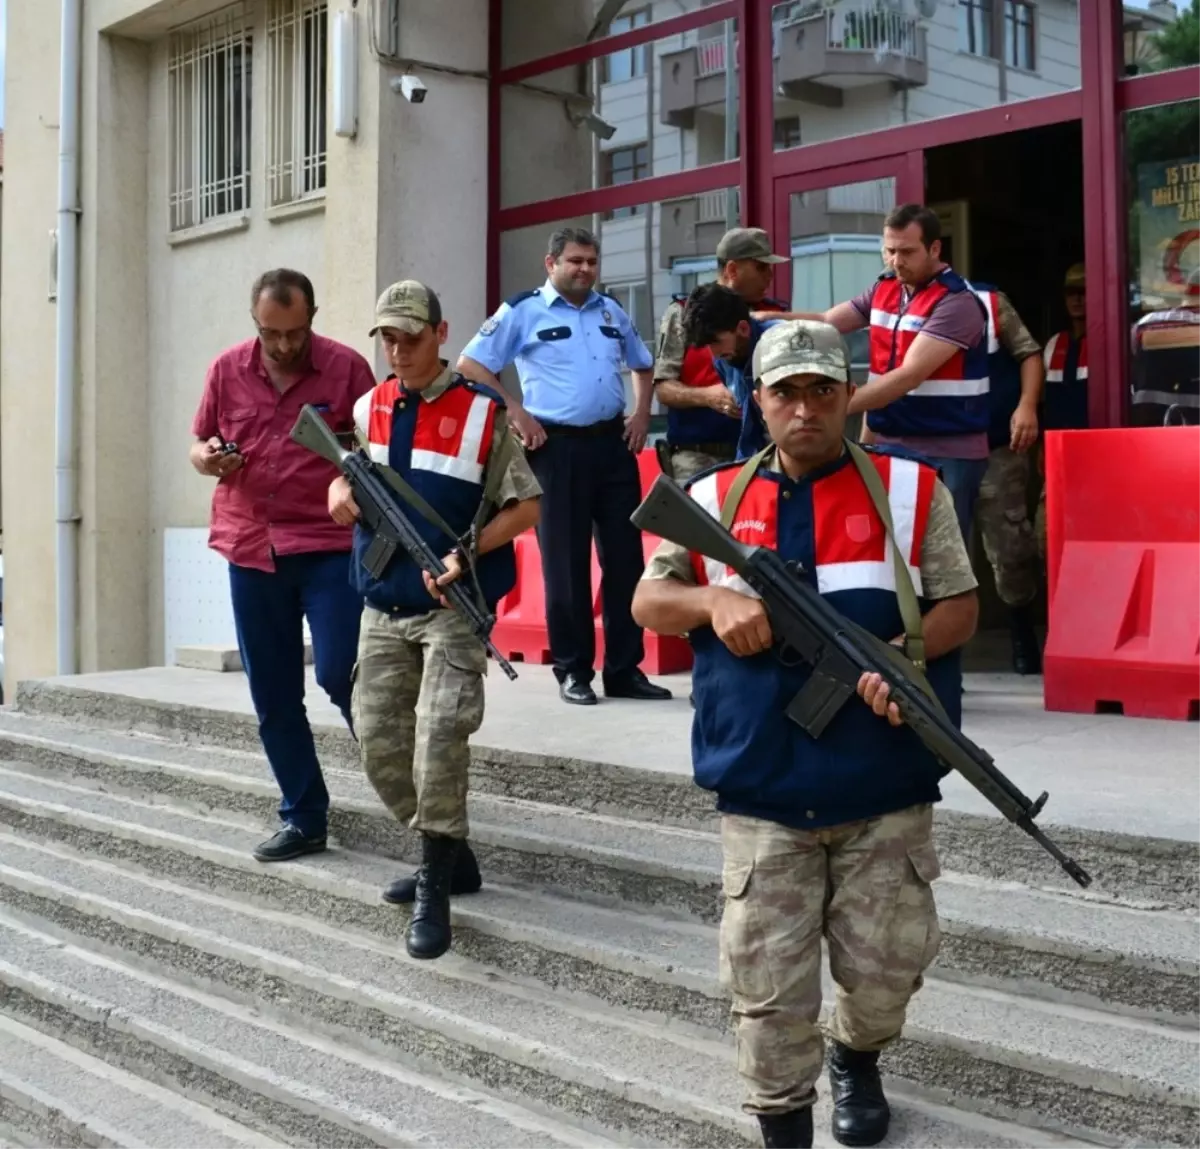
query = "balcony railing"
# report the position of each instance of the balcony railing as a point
(710, 207)
(870, 30)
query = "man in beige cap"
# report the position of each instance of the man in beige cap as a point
(418, 689)
(703, 416)
(828, 837)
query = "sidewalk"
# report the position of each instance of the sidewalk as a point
(1137, 776)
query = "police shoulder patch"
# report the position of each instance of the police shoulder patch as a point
(489, 325)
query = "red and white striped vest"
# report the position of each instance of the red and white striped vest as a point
(852, 550)
(1055, 357)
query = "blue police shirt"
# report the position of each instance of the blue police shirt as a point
(740, 381)
(568, 358)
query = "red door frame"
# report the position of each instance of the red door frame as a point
(1098, 105)
(906, 168)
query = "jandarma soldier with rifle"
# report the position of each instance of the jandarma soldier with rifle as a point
(828, 836)
(418, 689)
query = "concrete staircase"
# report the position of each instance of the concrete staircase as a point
(158, 987)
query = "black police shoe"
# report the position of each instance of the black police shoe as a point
(635, 685)
(429, 929)
(791, 1130)
(289, 843)
(860, 1110)
(575, 690)
(466, 879)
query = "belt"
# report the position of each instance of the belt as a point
(590, 430)
(718, 449)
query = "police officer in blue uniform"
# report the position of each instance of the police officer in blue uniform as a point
(568, 342)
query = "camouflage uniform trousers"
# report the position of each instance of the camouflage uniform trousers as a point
(865, 887)
(418, 697)
(685, 463)
(1002, 511)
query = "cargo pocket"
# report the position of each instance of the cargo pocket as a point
(466, 665)
(743, 959)
(919, 910)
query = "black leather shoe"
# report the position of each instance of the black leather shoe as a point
(791, 1130)
(860, 1110)
(466, 880)
(287, 844)
(572, 689)
(635, 685)
(1026, 653)
(429, 929)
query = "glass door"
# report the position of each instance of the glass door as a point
(832, 222)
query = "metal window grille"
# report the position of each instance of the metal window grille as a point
(209, 79)
(297, 42)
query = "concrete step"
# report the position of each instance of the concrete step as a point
(1133, 868)
(1048, 943)
(54, 1094)
(286, 1080)
(1080, 1072)
(522, 840)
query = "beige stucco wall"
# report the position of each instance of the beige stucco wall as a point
(27, 338)
(406, 197)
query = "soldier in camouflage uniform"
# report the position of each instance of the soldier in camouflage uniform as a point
(418, 687)
(703, 416)
(1002, 509)
(828, 837)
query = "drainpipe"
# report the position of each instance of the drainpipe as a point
(66, 509)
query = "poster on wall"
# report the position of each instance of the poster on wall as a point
(1169, 231)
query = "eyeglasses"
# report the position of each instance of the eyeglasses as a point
(295, 335)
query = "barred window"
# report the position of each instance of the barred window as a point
(297, 40)
(208, 78)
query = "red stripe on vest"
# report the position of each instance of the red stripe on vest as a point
(888, 297)
(848, 529)
(440, 424)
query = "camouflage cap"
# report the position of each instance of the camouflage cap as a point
(407, 306)
(1075, 277)
(800, 347)
(747, 243)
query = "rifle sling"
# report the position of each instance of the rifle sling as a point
(910, 609)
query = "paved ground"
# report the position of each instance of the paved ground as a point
(1103, 772)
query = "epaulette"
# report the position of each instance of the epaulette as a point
(889, 274)
(482, 389)
(681, 298)
(951, 280)
(513, 300)
(767, 303)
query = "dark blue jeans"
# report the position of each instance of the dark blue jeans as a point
(963, 478)
(269, 610)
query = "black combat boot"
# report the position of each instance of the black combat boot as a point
(1026, 653)
(860, 1110)
(791, 1130)
(466, 879)
(429, 930)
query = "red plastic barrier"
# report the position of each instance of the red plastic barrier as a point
(520, 631)
(1123, 557)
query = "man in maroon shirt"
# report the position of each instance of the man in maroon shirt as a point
(288, 560)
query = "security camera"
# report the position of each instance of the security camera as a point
(410, 87)
(593, 123)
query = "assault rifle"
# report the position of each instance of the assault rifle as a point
(376, 491)
(840, 652)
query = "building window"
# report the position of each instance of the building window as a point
(623, 166)
(1018, 35)
(208, 97)
(787, 133)
(976, 28)
(297, 39)
(629, 62)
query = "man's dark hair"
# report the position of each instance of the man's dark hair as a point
(280, 285)
(925, 218)
(566, 235)
(711, 310)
